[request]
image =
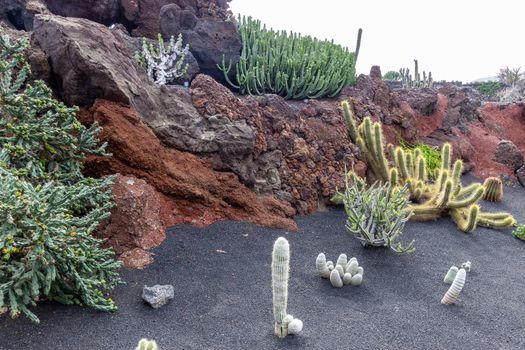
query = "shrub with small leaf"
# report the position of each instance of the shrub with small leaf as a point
(519, 232)
(163, 63)
(48, 210)
(376, 215)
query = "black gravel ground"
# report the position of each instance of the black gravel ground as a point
(223, 296)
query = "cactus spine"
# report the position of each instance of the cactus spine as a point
(493, 189)
(431, 200)
(280, 277)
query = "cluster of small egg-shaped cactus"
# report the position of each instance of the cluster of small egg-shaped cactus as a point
(343, 273)
(145, 344)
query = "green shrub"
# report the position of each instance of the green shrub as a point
(431, 154)
(48, 210)
(489, 89)
(392, 76)
(519, 232)
(376, 215)
(290, 65)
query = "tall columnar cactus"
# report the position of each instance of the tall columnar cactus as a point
(145, 344)
(417, 81)
(493, 189)
(288, 64)
(431, 199)
(284, 324)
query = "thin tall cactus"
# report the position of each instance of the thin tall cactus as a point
(284, 324)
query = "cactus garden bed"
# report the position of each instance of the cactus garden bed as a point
(223, 297)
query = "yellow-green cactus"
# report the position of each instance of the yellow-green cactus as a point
(431, 199)
(493, 189)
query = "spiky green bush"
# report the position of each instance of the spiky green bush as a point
(290, 65)
(489, 89)
(519, 232)
(431, 154)
(376, 215)
(48, 210)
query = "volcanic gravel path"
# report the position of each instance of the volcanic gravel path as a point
(223, 296)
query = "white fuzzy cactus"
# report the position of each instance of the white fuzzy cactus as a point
(164, 63)
(145, 344)
(344, 273)
(467, 266)
(280, 276)
(453, 292)
(322, 266)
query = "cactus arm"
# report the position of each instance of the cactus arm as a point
(445, 195)
(350, 121)
(496, 220)
(466, 223)
(380, 152)
(424, 212)
(445, 156)
(473, 198)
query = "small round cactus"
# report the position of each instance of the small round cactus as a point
(493, 189)
(295, 326)
(145, 344)
(467, 266)
(322, 267)
(335, 279)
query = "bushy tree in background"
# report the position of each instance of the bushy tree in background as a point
(48, 210)
(392, 76)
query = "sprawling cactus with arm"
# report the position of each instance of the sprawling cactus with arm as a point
(431, 199)
(284, 324)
